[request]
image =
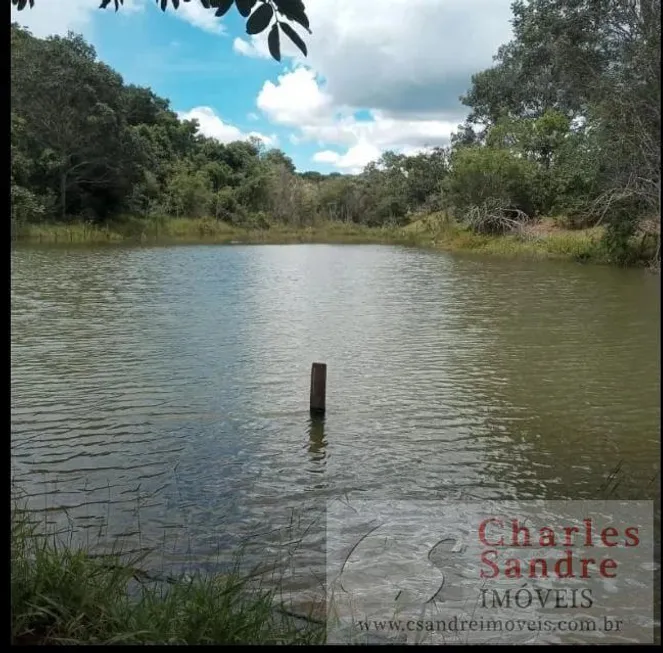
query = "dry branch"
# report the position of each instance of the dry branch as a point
(492, 218)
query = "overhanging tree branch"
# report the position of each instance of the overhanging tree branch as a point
(260, 15)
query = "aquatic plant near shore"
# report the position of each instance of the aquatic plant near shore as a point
(60, 594)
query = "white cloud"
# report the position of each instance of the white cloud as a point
(353, 160)
(400, 56)
(326, 156)
(297, 99)
(49, 17)
(195, 14)
(383, 131)
(210, 125)
(246, 48)
(403, 62)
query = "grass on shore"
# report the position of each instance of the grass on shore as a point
(185, 230)
(544, 240)
(61, 595)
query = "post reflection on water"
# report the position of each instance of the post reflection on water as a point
(317, 444)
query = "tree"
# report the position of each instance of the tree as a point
(189, 192)
(277, 158)
(70, 106)
(259, 18)
(425, 174)
(487, 174)
(26, 206)
(566, 123)
(596, 64)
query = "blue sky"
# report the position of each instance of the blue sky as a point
(381, 74)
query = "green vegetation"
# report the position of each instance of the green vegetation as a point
(545, 240)
(557, 126)
(62, 595)
(205, 230)
(565, 123)
(433, 231)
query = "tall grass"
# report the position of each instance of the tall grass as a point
(434, 230)
(204, 230)
(62, 595)
(442, 233)
(579, 246)
(79, 232)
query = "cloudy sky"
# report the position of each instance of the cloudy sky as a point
(380, 74)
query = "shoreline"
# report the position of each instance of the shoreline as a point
(543, 240)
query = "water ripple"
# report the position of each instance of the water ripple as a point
(164, 390)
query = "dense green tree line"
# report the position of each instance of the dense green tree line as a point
(86, 145)
(566, 122)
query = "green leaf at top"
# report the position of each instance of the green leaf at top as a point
(244, 7)
(259, 19)
(290, 6)
(274, 42)
(294, 37)
(222, 7)
(294, 10)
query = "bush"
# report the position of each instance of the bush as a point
(25, 206)
(481, 174)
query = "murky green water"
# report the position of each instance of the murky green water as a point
(164, 391)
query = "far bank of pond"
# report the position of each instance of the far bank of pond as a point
(543, 240)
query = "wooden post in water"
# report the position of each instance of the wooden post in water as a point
(318, 388)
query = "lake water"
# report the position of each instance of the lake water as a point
(160, 394)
